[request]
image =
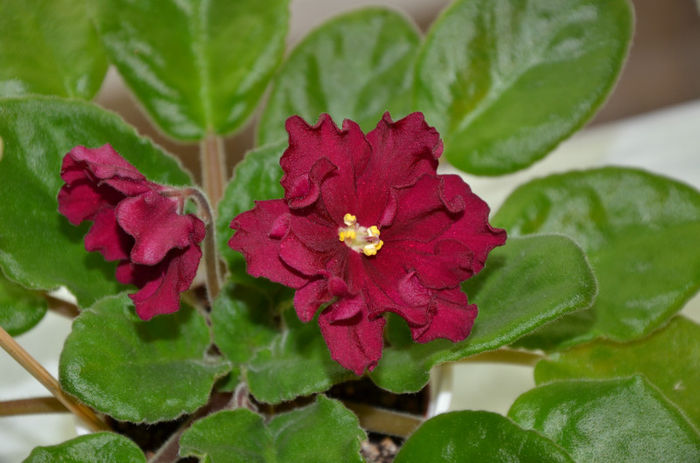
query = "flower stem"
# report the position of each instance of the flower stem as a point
(37, 405)
(30, 364)
(516, 357)
(213, 164)
(211, 260)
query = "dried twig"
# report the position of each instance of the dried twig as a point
(30, 364)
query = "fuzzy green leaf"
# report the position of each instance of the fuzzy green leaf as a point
(49, 47)
(355, 66)
(324, 431)
(39, 248)
(243, 322)
(504, 81)
(477, 436)
(101, 447)
(296, 363)
(135, 370)
(669, 359)
(196, 66)
(622, 420)
(20, 309)
(640, 232)
(525, 284)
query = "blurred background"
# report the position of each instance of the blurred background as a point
(663, 68)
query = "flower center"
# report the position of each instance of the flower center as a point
(359, 238)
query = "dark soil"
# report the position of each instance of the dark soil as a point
(365, 391)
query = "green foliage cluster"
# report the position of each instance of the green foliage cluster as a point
(597, 263)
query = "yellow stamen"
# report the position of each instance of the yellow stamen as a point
(359, 238)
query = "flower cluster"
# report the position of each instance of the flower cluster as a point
(136, 222)
(366, 226)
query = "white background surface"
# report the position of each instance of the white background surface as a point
(665, 142)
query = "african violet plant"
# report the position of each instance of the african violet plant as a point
(380, 251)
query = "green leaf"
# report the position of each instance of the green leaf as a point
(639, 231)
(256, 178)
(324, 431)
(243, 321)
(49, 47)
(279, 363)
(296, 363)
(230, 436)
(477, 436)
(139, 371)
(355, 66)
(504, 81)
(525, 284)
(669, 359)
(39, 249)
(196, 66)
(101, 447)
(20, 310)
(622, 420)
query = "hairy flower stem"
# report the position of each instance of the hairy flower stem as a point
(30, 364)
(37, 405)
(515, 357)
(211, 260)
(213, 164)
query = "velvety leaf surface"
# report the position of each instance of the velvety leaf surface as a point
(640, 232)
(243, 322)
(296, 363)
(324, 431)
(525, 283)
(196, 66)
(505, 81)
(462, 436)
(231, 436)
(101, 447)
(622, 420)
(355, 66)
(139, 371)
(49, 47)
(20, 309)
(38, 247)
(255, 178)
(669, 359)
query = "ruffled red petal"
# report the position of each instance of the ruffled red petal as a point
(258, 237)
(154, 223)
(161, 285)
(355, 343)
(107, 238)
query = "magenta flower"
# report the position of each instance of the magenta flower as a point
(367, 226)
(135, 222)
